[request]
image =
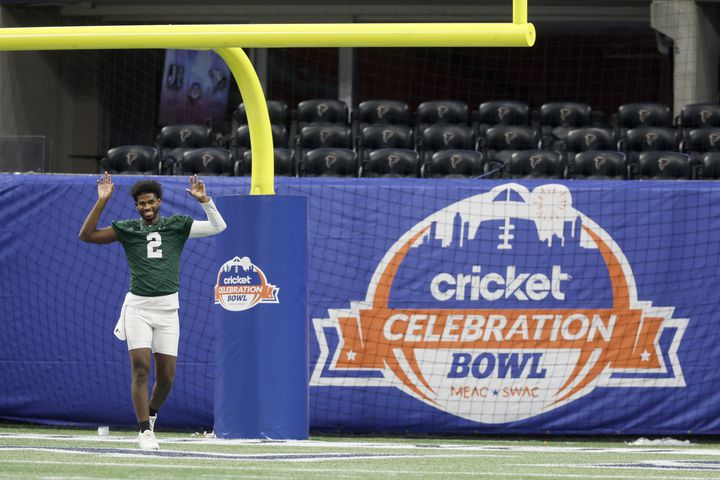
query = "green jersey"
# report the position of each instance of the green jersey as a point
(153, 253)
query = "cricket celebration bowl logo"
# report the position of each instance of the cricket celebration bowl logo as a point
(500, 307)
(241, 285)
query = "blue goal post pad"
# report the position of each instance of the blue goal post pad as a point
(261, 318)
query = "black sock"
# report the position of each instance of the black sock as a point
(153, 412)
(144, 425)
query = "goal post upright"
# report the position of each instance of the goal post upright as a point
(261, 142)
(520, 13)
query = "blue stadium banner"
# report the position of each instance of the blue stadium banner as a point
(261, 318)
(525, 307)
(435, 306)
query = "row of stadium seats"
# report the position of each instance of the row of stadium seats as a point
(451, 163)
(499, 130)
(495, 112)
(389, 124)
(439, 137)
(552, 120)
(497, 145)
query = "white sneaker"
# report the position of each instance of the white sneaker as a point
(148, 441)
(152, 418)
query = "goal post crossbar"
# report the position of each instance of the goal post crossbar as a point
(228, 41)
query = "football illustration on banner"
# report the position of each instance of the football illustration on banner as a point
(241, 285)
(500, 307)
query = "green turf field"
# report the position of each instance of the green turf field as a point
(77, 454)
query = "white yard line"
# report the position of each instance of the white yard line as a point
(409, 445)
(334, 471)
(664, 465)
(238, 457)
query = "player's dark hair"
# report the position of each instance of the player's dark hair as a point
(146, 186)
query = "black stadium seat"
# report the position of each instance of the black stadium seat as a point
(175, 140)
(206, 161)
(377, 136)
(445, 137)
(565, 114)
(441, 112)
(558, 118)
(499, 112)
(632, 115)
(645, 139)
(702, 140)
(132, 160)
(710, 166)
(700, 115)
(664, 166)
(277, 110)
(322, 135)
(384, 112)
(325, 135)
(386, 136)
(322, 111)
(392, 162)
(500, 142)
(588, 138)
(534, 164)
(329, 162)
(284, 163)
(454, 164)
(185, 136)
(597, 165)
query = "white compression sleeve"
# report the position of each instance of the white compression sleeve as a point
(214, 225)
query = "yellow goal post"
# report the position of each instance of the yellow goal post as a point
(228, 41)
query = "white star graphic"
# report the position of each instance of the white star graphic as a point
(351, 356)
(645, 356)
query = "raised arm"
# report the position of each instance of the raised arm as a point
(215, 222)
(89, 231)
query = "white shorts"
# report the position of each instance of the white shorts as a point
(158, 330)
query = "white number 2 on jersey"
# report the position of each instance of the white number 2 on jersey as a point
(153, 246)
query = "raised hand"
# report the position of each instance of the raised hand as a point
(105, 187)
(197, 189)
(89, 231)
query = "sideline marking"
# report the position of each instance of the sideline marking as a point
(334, 472)
(178, 454)
(697, 465)
(680, 465)
(248, 457)
(627, 449)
